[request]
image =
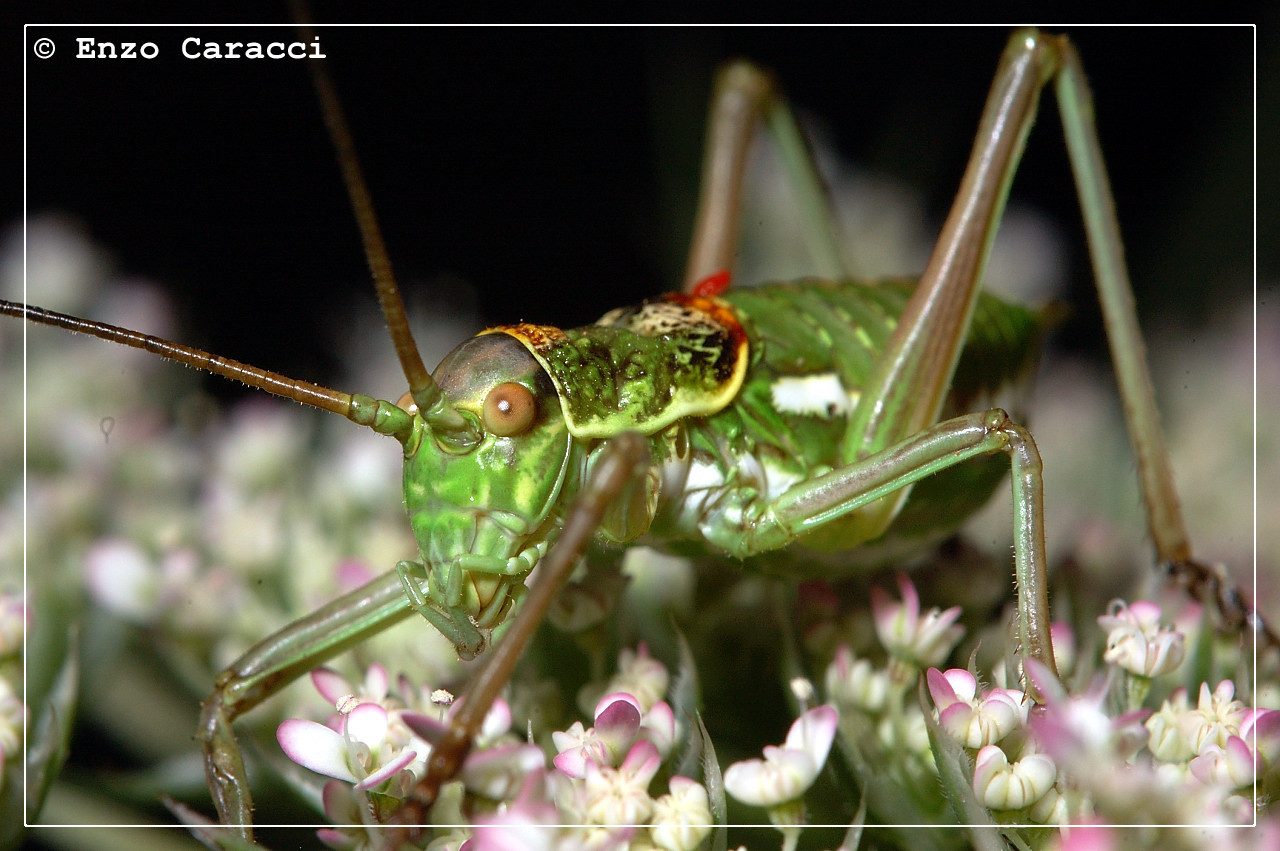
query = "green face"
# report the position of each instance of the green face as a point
(483, 513)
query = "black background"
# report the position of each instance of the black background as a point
(554, 169)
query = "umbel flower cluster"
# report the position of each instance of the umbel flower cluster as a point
(668, 706)
(1079, 771)
(602, 778)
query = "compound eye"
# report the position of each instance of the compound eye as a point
(509, 409)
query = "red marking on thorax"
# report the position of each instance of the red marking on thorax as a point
(713, 284)
(720, 312)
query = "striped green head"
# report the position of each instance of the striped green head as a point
(484, 511)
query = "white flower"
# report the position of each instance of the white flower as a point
(123, 579)
(616, 727)
(641, 676)
(1238, 762)
(659, 727)
(498, 773)
(906, 735)
(682, 818)
(1051, 809)
(1216, 718)
(260, 448)
(525, 824)
(856, 684)
(975, 722)
(786, 772)
(921, 641)
(1261, 731)
(1230, 766)
(1169, 742)
(1136, 641)
(1076, 730)
(1002, 786)
(620, 796)
(358, 753)
(430, 728)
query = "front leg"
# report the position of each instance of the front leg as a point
(623, 461)
(277, 661)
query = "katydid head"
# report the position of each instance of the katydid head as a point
(483, 510)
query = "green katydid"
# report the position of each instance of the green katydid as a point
(440, 602)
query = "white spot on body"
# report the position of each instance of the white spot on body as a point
(703, 477)
(820, 395)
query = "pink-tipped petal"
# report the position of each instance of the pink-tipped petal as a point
(813, 732)
(956, 719)
(610, 699)
(316, 747)
(573, 762)
(339, 805)
(496, 721)
(963, 683)
(659, 727)
(337, 840)
(910, 599)
(376, 680)
(642, 762)
(782, 776)
(499, 773)
(331, 685)
(955, 685)
(386, 772)
(425, 727)
(368, 723)
(1044, 681)
(617, 724)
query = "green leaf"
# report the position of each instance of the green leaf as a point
(685, 693)
(50, 740)
(853, 837)
(714, 782)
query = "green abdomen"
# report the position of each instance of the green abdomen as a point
(815, 326)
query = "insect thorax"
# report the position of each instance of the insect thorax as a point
(812, 347)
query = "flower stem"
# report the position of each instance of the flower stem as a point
(1139, 688)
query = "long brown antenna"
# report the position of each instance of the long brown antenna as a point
(422, 387)
(334, 401)
(380, 416)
